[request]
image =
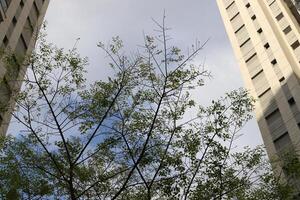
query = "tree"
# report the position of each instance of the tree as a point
(128, 137)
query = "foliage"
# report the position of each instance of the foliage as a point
(132, 136)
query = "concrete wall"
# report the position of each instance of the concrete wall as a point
(18, 32)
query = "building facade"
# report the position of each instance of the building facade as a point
(20, 21)
(265, 36)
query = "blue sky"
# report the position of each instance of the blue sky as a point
(98, 20)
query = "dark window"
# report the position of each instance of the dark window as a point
(272, 114)
(248, 5)
(230, 5)
(5, 41)
(274, 62)
(272, 2)
(283, 142)
(22, 3)
(255, 75)
(235, 16)
(262, 94)
(240, 28)
(267, 45)
(287, 30)
(291, 101)
(253, 17)
(282, 79)
(279, 17)
(295, 45)
(14, 20)
(250, 57)
(260, 30)
(245, 42)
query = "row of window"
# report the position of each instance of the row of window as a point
(274, 119)
(277, 126)
(286, 29)
(273, 116)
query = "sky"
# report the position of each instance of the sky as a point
(99, 20)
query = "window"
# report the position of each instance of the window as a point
(245, 42)
(272, 3)
(275, 124)
(287, 30)
(248, 5)
(259, 31)
(294, 107)
(5, 41)
(230, 5)
(232, 18)
(265, 92)
(274, 62)
(253, 17)
(260, 83)
(14, 21)
(279, 17)
(295, 45)
(282, 142)
(286, 91)
(257, 74)
(267, 46)
(291, 101)
(250, 57)
(239, 28)
(22, 3)
(282, 79)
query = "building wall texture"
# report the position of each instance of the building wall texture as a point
(20, 21)
(265, 36)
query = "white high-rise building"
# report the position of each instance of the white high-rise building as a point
(265, 36)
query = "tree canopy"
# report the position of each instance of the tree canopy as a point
(131, 136)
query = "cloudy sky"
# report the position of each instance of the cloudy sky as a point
(98, 20)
